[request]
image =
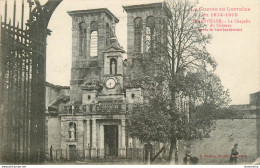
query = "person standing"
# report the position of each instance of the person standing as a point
(234, 153)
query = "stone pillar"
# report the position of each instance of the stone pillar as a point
(87, 151)
(88, 44)
(94, 138)
(137, 143)
(130, 142)
(144, 38)
(123, 148)
(119, 139)
(258, 126)
(160, 146)
(101, 136)
(130, 148)
(80, 137)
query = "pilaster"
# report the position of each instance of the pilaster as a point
(87, 146)
(123, 147)
(94, 138)
(101, 141)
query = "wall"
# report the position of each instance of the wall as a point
(255, 98)
(222, 139)
(53, 92)
(51, 95)
(53, 133)
(255, 102)
(258, 132)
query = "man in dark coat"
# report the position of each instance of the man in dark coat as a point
(234, 153)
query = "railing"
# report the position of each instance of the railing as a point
(68, 109)
(133, 155)
(109, 107)
(100, 108)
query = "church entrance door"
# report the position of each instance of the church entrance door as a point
(111, 140)
(72, 152)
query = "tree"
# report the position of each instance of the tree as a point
(148, 130)
(209, 98)
(205, 87)
(176, 53)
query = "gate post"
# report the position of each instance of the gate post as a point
(148, 152)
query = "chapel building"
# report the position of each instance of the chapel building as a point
(89, 118)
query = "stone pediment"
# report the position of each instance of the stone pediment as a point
(113, 48)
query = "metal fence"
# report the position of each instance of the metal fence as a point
(132, 154)
(22, 83)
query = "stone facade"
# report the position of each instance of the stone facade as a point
(92, 121)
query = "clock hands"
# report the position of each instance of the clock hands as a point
(110, 83)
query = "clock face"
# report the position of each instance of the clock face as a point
(110, 83)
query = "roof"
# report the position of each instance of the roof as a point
(113, 48)
(255, 93)
(91, 11)
(57, 86)
(62, 98)
(142, 6)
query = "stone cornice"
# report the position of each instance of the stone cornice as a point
(142, 6)
(91, 11)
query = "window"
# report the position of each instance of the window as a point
(107, 34)
(132, 95)
(138, 36)
(94, 39)
(113, 66)
(72, 131)
(82, 37)
(89, 97)
(150, 33)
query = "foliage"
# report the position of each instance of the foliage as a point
(149, 124)
(205, 88)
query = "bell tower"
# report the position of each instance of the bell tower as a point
(91, 34)
(141, 32)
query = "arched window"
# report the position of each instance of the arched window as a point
(94, 39)
(113, 66)
(72, 131)
(132, 95)
(82, 37)
(150, 33)
(138, 36)
(107, 34)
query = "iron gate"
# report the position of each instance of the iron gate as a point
(22, 83)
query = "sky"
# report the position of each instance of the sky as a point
(237, 53)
